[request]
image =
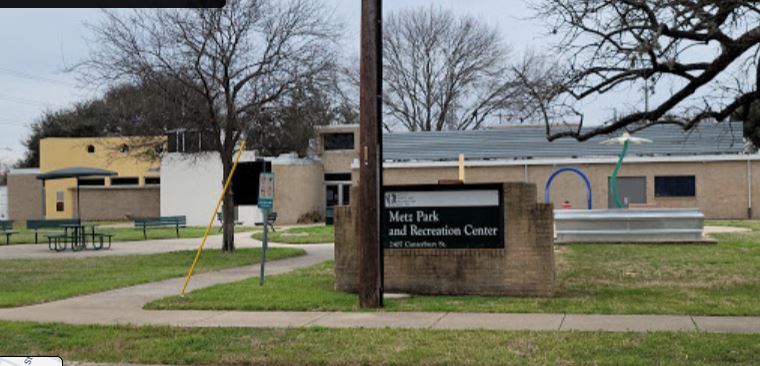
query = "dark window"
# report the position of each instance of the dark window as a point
(91, 149)
(676, 186)
(331, 195)
(245, 182)
(173, 142)
(125, 181)
(152, 180)
(337, 176)
(339, 141)
(59, 201)
(346, 194)
(92, 182)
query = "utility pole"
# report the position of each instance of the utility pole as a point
(370, 159)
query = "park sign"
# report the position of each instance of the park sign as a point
(443, 217)
(266, 191)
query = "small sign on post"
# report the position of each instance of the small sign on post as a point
(266, 203)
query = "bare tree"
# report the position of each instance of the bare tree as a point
(238, 59)
(442, 71)
(700, 56)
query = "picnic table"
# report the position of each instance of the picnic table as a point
(77, 235)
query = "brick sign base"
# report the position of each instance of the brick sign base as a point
(525, 267)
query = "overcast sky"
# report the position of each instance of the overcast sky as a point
(38, 44)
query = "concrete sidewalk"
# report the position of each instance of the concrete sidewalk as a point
(124, 306)
(41, 251)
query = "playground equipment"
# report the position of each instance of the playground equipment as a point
(547, 190)
(624, 140)
(649, 225)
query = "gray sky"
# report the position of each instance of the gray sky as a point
(38, 44)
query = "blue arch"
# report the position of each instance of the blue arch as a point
(547, 192)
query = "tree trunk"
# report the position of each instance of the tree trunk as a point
(228, 210)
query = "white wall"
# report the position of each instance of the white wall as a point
(191, 185)
(3, 203)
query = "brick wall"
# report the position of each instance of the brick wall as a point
(525, 267)
(120, 203)
(24, 198)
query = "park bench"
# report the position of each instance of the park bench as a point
(221, 221)
(45, 225)
(271, 218)
(6, 227)
(102, 237)
(163, 221)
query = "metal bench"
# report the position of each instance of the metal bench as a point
(41, 225)
(271, 218)
(6, 227)
(163, 221)
(219, 217)
(98, 245)
(56, 241)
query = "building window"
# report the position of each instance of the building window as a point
(58, 201)
(339, 141)
(675, 186)
(125, 181)
(152, 181)
(91, 149)
(346, 191)
(346, 177)
(92, 182)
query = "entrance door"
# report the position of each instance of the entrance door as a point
(630, 190)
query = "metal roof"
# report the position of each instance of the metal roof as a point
(531, 142)
(75, 172)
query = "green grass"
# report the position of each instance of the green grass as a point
(749, 224)
(721, 279)
(25, 236)
(301, 235)
(320, 346)
(29, 281)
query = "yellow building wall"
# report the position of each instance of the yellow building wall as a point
(60, 153)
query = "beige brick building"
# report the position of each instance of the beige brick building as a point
(707, 169)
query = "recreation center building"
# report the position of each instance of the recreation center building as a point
(710, 168)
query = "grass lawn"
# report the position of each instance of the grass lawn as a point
(749, 224)
(301, 235)
(24, 236)
(721, 279)
(320, 346)
(29, 281)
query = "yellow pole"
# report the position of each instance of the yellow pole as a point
(211, 222)
(461, 167)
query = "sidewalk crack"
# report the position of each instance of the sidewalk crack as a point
(311, 322)
(696, 326)
(438, 320)
(562, 322)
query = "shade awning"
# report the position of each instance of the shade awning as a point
(76, 172)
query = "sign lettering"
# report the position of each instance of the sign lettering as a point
(443, 217)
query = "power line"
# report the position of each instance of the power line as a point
(43, 79)
(26, 101)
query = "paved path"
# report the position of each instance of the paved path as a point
(725, 229)
(124, 306)
(39, 251)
